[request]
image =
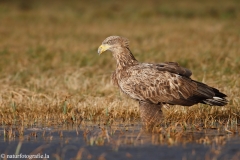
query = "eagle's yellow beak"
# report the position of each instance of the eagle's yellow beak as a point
(103, 48)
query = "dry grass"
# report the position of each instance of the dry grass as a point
(50, 72)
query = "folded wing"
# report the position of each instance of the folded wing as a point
(167, 83)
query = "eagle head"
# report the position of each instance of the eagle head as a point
(111, 43)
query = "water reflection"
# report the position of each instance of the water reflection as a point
(92, 141)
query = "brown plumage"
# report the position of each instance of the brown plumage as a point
(155, 85)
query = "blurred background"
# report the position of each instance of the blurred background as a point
(49, 46)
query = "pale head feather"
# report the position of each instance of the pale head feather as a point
(116, 40)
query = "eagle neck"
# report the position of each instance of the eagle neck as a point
(124, 58)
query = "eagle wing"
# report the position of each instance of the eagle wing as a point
(173, 67)
(162, 83)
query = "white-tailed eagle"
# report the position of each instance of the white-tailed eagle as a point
(155, 85)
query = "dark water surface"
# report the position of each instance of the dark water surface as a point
(118, 142)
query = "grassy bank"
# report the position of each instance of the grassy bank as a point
(50, 71)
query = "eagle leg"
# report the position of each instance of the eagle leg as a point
(151, 114)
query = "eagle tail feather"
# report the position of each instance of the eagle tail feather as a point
(210, 95)
(216, 101)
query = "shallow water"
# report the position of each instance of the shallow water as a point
(119, 142)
